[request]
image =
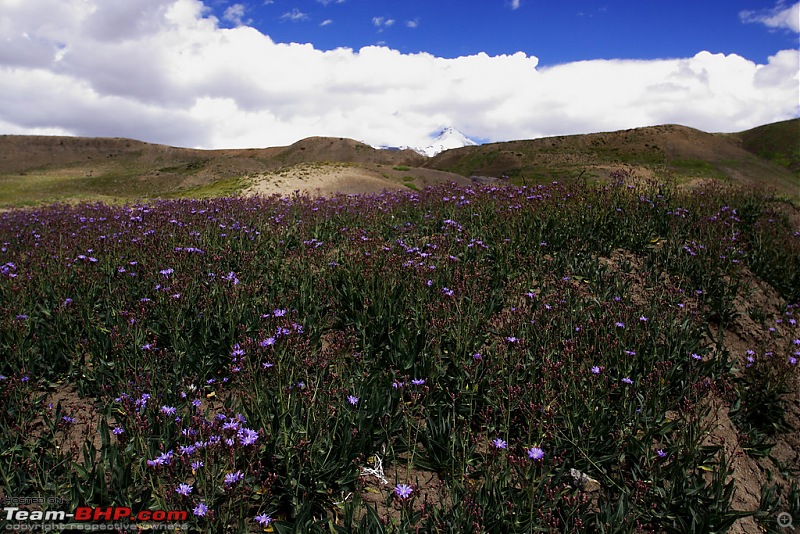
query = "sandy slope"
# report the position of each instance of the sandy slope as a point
(327, 179)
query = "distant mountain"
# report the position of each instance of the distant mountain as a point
(448, 139)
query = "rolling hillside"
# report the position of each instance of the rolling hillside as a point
(40, 169)
(754, 157)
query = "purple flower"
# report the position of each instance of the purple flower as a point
(447, 291)
(499, 443)
(403, 491)
(279, 313)
(118, 431)
(268, 342)
(247, 436)
(68, 420)
(184, 489)
(233, 478)
(142, 401)
(264, 520)
(237, 351)
(643, 319)
(535, 453)
(792, 360)
(619, 325)
(477, 356)
(627, 380)
(512, 339)
(166, 272)
(168, 410)
(661, 453)
(162, 459)
(197, 465)
(596, 370)
(352, 399)
(231, 425)
(200, 510)
(696, 356)
(418, 381)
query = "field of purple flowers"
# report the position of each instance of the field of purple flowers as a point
(453, 360)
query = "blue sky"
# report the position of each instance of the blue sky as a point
(554, 31)
(235, 73)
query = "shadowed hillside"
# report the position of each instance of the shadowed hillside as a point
(778, 142)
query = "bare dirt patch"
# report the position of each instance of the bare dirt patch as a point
(327, 179)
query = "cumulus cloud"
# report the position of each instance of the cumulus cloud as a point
(514, 4)
(235, 14)
(779, 17)
(174, 75)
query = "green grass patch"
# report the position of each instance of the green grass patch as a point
(225, 187)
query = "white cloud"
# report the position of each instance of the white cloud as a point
(514, 4)
(382, 22)
(412, 23)
(173, 75)
(778, 17)
(235, 14)
(294, 15)
(326, 22)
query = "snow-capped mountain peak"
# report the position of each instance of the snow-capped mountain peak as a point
(447, 139)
